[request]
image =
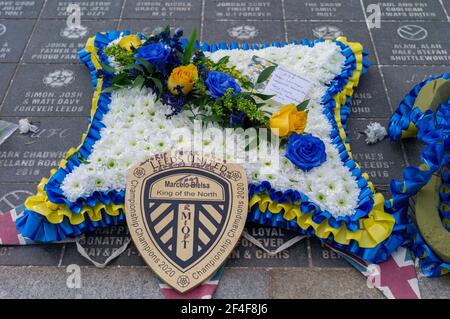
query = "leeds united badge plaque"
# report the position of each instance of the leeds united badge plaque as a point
(185, 212)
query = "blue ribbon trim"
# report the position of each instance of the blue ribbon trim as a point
(29, 223)
(433, 130)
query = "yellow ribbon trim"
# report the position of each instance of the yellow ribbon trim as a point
(410, 132)
(55, 213)
(375, 228)
(378, 225)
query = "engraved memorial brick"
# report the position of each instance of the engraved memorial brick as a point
(324, 257)
(370, 98)
(7, 71)
(413, 148)
(102, 9)
(29, 157)
(49, 90)
(323, 10)
(381, 161)
(14, 35)
(401, 79)
(20, 9)
(354, 31)
(243, 31)
(244, 10)
(167, 10)
(409, 9)
(55, 42)
(413, 43)
(446, 5)
(14, 194)
(246, 254)
(150, 26)
(100, 244)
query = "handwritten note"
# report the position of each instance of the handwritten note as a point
(287, 87)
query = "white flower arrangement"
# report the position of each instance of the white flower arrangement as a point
(375, 132)
(137, 127)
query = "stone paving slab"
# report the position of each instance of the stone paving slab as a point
(370, 99)
(49, 90)
(14, 35)
(382, 161)
(324, 257)
(413, 43)
(410, 9)
(14, 194)
(20, 9)
(41, 255)
(254, 31)
(54, 42)
(7, 73)
(323, 10)
(354, 31)
(446, 6)
(146, 25)
(244, 10)
(57, 9)
(28, 158)
(50, 282)
(165, 10)
(401, 79)
(319, 284)
(100, 245)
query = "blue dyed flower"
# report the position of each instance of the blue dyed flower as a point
(153, 53)
(305, 151)
(218, 83)
(237, 119)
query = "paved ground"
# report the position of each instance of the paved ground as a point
(412, 44)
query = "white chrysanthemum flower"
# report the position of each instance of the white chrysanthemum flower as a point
(136, 127)
(375, 132)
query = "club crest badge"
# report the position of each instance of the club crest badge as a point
(185, 214)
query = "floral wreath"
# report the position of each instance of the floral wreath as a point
(179, 72)
(416, 116)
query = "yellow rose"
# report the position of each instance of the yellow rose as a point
(288, 120)
(184, 76)
(130, 41)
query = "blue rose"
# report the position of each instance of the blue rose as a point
(153, 53)
(305, 151)
(218, 83)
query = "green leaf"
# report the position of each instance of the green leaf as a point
(302, 106)
(265, 74)
(283, 142)
(81, 159)
(30, 142)
(263, 97)
(139, 81)
(107, 68)
(131, 66)
(189, 49)
(121, 79)
(158, 85)
(147, 65)
(212, 118)
(223, 60)
(167, 30)
(111, 88)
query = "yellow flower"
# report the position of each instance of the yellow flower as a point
(130, 41)
(288, 120)
(183, 76)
